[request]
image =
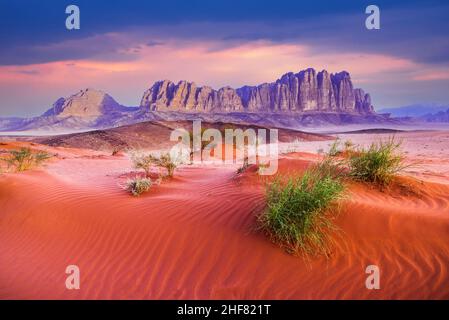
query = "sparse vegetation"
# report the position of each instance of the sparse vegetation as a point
(377, 164)
(25, 159)
(142, 161)
(334, 149)
(164, 161)
(137, 186)
(146, 161)
(300, 210)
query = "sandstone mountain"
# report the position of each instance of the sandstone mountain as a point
(85, 103)
(305, 91)
(306, 98)
(87, 109)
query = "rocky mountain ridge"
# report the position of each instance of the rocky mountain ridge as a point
(306, 98)
(305, 91)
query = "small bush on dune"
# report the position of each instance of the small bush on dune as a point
(334, 148)
(138, 186)
(300, 209)
(21, 159)
(164, 161)
(377, 164)
(41, 157)
(25, 159)
(141, 161)
(146, 161)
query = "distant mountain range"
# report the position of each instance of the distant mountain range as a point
(441, 116)
(87, 109)
(296, 99)
(415, 110)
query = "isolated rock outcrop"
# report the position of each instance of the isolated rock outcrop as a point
(85, 103)
(305, 91)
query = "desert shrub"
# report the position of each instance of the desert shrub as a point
(25, 159)
(377, 164)
(164, 161)
(142, 161)
(138, 186)
(300, 211)
(40, 157)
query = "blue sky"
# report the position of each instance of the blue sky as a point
(123, 46)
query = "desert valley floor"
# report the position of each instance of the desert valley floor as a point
(194, 237)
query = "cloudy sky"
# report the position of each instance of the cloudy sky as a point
(123, 46)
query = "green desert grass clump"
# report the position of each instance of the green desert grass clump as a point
(300, 211)
(137, 186)
(25, 159)
(378, 163)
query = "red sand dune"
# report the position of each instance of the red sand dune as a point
(194, 238)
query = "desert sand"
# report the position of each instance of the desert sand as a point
(194, 237)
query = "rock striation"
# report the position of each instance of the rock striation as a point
(302, 92)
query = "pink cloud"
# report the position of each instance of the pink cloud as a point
(251, 63)
(432, 75)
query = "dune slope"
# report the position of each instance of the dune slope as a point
(194, 238)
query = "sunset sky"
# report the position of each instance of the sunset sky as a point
(124, 46)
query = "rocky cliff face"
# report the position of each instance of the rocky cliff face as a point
(85, 103)
(306, 91)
